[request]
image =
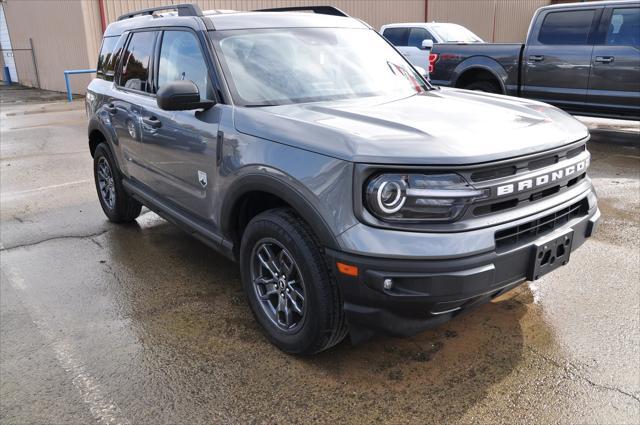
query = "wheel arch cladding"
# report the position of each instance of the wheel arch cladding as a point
(481, 66)
(278, 193)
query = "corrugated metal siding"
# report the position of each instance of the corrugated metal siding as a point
(58, 30)
(513, 19)
(493, 20)
(375, 12)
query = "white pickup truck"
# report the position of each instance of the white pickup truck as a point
(414, 40)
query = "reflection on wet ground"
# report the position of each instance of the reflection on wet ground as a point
(143, 324)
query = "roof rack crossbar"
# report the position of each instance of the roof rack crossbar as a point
(322, 10)
(183, 10)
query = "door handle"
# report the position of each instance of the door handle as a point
(152, 122)
(604, 59)
(536, 58)
(110, 108)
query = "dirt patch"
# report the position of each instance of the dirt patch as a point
(15, 94)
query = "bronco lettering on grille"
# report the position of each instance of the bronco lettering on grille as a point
(543, 179)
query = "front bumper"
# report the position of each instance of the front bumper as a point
(429, 292)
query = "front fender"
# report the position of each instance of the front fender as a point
(257, 181)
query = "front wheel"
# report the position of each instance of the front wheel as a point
(288, 284)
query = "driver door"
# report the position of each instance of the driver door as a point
(180, 146)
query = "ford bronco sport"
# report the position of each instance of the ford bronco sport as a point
(356, 197)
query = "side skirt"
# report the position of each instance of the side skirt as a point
(182, 219)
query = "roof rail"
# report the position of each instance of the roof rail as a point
(183, 10)
(322, 10)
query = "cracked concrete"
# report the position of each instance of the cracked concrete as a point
(55, 238)
(143, 324)
(572, 370)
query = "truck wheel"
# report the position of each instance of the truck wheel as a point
(290, 289)
(117, 205)
(485, 86)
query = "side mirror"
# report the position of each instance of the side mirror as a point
(181, 95)
(427, 44)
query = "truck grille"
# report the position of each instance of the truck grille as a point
(509, 175)
(531, 230)
(535, 164)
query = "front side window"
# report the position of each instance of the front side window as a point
(417, 36)
(296, 65)
(182, 59)
(397, 36)
(135, 65)
(568, 28)
(625, 27)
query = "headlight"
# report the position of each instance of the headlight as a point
(419, 197)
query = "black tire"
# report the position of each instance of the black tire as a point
(323, 324)
(122, 208)
(485, 86)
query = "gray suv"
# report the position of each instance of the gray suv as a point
(356, 197)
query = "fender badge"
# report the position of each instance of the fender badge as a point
(202, 178)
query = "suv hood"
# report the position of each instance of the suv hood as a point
(439, 127)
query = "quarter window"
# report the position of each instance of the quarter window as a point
(625, 27)
(137, 57)
(182, 59)
(397, 36)
(106, 51)
(571, 27)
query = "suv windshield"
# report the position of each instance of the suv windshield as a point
(296, 65)
(453, 33)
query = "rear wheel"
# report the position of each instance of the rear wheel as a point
(116, 203)
(485, 86)
(288, 284)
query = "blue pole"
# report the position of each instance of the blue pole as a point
(66, 81)
(7, 75)
(71, 72)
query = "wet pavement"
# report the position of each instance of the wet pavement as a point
(143, 324)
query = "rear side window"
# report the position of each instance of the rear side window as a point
(417, 36)
(570, 27)
(397, 36)
(625, 27)
(182, 59)
(136, 61)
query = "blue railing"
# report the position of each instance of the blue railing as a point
(72, 72)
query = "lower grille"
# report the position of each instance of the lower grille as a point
(531, 230)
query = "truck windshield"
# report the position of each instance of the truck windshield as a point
(453, 33)
(298, 65)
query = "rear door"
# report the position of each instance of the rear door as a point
(180, 146)
(614, 86)
(557, 58)
(131, 100)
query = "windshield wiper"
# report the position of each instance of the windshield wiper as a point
(259, 105)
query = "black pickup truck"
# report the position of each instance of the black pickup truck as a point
(582, 57)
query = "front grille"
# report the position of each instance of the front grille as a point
(531, 230)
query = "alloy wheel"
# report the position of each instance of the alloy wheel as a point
(278, 284)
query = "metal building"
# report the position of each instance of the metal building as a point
(50, 36)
